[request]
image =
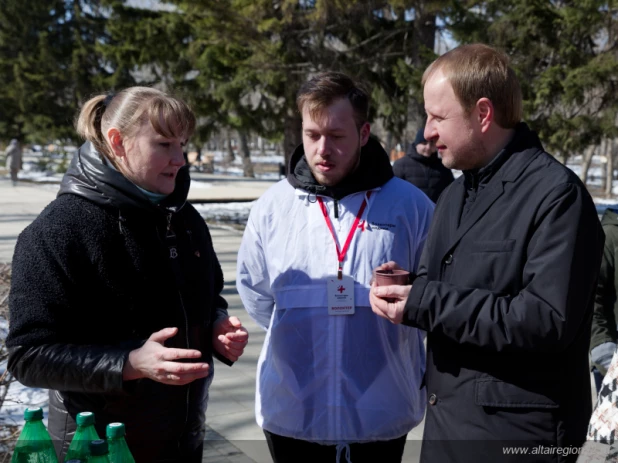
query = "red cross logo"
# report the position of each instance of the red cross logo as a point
(341, 289)
(362, 226)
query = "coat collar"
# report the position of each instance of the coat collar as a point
(516, 156)
(92, 178)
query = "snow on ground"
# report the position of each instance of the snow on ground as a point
(33, 164)
(269, 158)
(236, 213)
(200, 185)
(19, 396)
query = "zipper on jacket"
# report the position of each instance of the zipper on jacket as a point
(186, 320)
(184, 312)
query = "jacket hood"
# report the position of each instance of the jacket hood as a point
(373, 171)
(90, 177)
(610, 216)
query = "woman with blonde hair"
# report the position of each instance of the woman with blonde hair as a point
(115, 301)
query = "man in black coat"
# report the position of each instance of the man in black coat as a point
(506, 282)
(422, 167)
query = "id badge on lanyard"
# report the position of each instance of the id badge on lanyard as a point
(340, 295)
(340, 289)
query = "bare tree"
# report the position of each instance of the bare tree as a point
(586, 161)
(230, 149)
(247, 165)
(610, 153)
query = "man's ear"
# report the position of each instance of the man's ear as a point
(116, 142)
(365, 130)
(485, 113)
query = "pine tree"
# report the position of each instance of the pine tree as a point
(48, 65)
(565, 56)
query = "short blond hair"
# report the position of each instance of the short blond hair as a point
(478, 71)
(127, 110)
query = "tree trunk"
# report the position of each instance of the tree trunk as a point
(586, 161)
(292, 136)
(293, 122)
(230, 150)
(424, 37)
(610, 153)
(247, 166)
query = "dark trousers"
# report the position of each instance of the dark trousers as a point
(288, 450)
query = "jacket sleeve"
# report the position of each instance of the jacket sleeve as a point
(603, 317)
(220, 304)
(41, 301)
(425, 214)
(252, 280)
(559, 277)
(421, 268)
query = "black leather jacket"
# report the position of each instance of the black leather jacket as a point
(92, 279)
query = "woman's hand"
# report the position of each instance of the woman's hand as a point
(229, 338)
(155, 361)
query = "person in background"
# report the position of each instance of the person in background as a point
(334, 382)
(505, 287)
(422, 167)
(604, 333)
(13, 155)
(115, 300)
(601, 445)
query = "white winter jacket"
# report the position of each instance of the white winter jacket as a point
(325, 378)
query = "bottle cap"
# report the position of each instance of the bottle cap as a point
(115, 430)
(84, 418)
(33, 414)
(98, 447)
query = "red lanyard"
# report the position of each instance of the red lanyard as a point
(341, 253)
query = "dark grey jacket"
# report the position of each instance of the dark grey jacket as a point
(426, 173)
(506, 297)
(92, 280)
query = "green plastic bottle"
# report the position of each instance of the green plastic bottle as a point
(84, 434)
(118, 449)
(99, 452)
(34, 444)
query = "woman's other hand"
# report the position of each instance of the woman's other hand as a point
(229, 338)
(155, 361)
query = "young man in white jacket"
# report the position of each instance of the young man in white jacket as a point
(334, 380)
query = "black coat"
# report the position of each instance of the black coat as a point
(506, 297)
(426, 173)
(92, 279)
